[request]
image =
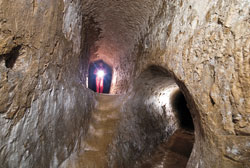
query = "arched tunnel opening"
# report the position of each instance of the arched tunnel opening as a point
(179, 146)
(99, 77)
(179, 103)
(190, 109)
(161, 123)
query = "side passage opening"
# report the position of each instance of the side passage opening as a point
(99, 77)
(166, 101)
(180, 144)
(179, 104)
(11, 57)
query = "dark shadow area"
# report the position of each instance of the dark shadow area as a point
(178, 100)
(179, 103)
(158, 71)
(11, 57)
(92, 76)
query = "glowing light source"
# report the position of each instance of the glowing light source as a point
(100, 73)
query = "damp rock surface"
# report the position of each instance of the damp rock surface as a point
(148, 118)
(46, 47)
(44, 105)
(171, 153)
(102, 129)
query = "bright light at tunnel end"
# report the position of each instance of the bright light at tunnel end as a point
(100, 73)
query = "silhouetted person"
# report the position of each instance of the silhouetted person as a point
(100, 73)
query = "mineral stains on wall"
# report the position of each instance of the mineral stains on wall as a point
(45, 50)
(44, 104)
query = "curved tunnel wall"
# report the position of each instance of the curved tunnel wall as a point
(204, 44)
(149, 116)
(197, 43)
(45, 106)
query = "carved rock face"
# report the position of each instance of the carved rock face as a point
(46, 47)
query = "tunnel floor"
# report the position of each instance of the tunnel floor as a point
(173, 153)
(103, 125)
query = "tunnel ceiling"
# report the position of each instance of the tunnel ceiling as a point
(122, 24)
(45, 108)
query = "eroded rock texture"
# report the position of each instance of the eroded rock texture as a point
(148, 118)
(45, 49)
(206, 47)
(44, 104)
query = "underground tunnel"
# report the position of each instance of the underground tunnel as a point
(173, 91)
(99, 77)
(161, 129)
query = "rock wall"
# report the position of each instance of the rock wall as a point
(148, 118)
(205, 45)
(44, 104)
(121, 25)
(45, 47)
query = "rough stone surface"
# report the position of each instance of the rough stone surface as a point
(102, 128)
(148, 118)
(45, 48)
(206, 48)
(44, 105)
(172, 153)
